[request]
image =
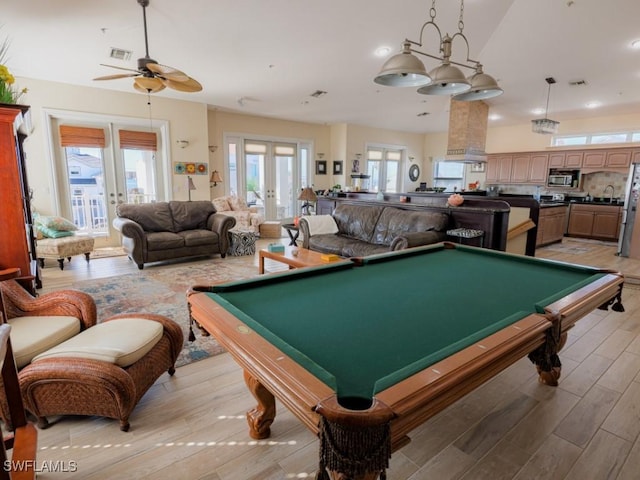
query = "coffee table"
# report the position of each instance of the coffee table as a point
(304, 258)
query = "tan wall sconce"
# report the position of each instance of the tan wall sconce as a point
(183, 143)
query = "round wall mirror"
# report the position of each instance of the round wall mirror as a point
(414, 172)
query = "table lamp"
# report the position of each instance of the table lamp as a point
(190, 186)
(308, 196)
(215, 178)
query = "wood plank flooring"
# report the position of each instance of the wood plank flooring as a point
(192, 426)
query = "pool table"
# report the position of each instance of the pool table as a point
(364, 350)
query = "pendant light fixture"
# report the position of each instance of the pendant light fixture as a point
(545, 125)
(407, 70)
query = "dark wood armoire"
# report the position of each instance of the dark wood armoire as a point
(17, 239)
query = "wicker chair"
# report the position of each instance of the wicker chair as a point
(85, 386)
(17, 302)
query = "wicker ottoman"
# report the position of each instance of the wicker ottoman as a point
(270, 229)
(242, 242)
(93, 375)
(64, 247)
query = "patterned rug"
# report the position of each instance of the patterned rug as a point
(163, 291)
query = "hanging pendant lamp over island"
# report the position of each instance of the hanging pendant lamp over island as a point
(407, 70)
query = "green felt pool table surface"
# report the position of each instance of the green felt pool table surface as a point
(361, 328)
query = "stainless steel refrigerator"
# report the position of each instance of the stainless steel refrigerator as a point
(629, 211)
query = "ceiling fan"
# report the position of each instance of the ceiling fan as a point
(151, 77)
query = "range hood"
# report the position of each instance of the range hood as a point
(467, 131)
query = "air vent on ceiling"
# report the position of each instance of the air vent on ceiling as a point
(318, 93)
(120, 53)
(578, 83)
(423, 114)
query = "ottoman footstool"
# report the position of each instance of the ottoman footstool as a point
(64, 247)
(104, 370)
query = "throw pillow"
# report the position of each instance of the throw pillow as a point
(237, 203)
(56, 223)
(221, 204)
(53, 233)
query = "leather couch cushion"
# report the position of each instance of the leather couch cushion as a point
(123, 342)
(194, 238)
(31, 336)
(357, 222)
(164, 241)
(396, 221)
(152, 217)
(190, 215)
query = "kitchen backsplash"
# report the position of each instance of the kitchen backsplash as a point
(591, 183)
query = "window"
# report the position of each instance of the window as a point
(383, 168)
(449, 175)
(595, 139)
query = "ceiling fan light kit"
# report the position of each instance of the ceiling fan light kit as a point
(152, 77)
(407, 70)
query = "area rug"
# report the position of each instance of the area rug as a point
(163, 291)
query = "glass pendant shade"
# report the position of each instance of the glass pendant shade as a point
(403, 70)
(446, 79)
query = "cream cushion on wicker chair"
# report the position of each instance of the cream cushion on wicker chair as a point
(121, 342)
(31, 336)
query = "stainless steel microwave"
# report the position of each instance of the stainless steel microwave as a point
(560, 180)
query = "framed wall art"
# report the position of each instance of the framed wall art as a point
(321, 167)
(337, 167)
(478, 167)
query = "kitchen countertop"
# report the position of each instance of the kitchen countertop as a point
(606, 203)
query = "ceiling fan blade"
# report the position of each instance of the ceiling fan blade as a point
(117, 75)
(148, 84)
(190, 85)
(120, 68)
(168, 72)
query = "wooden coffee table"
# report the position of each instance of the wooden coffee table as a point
(304, 258)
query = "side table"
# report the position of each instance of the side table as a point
(293, 231)
(241, 242)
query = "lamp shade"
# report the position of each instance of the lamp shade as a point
(190, 184)
(148, 84)
(403, 70)
(483, 86)
(308, 195)
(446, 79)
(215, 178)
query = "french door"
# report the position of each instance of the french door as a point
(101, 166)
(270, 172)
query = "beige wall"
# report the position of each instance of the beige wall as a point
(187, 121)
(192, 121)
(358, 137)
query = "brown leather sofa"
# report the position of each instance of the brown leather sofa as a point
(152, 232)
(367, 230)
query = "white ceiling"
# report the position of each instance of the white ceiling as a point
(273, 54)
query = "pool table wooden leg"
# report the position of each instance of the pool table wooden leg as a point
(261, 417)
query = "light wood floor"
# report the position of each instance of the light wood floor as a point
(191, 426)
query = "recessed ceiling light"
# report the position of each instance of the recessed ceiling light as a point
(593, 104)
(382, 51)
(635, 44)
(538, 111)
(494, 116)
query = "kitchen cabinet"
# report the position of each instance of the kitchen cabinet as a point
(573, 159)
(618, 159)
(518, 168)
(552, 223)
(538, 168)
(499, 168)
(594, 159)
(595, 221)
